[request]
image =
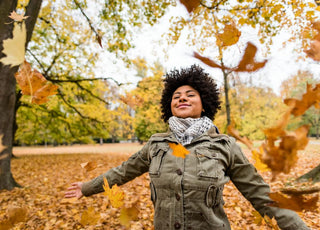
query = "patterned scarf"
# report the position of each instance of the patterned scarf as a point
(186, 129)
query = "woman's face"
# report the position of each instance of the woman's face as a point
(186, 102)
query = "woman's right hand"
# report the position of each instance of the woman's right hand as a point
(74, 190)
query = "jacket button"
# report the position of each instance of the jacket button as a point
(177, 196)
(179, 172)
(177, 225)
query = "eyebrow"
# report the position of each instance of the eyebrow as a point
(188, 91)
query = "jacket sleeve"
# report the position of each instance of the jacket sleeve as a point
(252, 186)
(135, 166)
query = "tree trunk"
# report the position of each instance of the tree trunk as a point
(8, 87)
(226, 92)
(313, 174)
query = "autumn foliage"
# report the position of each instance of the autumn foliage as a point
(31, 82)
(40, 204)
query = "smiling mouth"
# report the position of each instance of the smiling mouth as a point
(183, 106)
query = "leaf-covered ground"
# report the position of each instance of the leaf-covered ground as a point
(40, 204)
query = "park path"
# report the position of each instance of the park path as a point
(124, 148)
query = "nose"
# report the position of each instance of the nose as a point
(182, 98)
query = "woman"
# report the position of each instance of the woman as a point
(187, 192)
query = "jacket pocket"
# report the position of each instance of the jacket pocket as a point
(214, 196)
(156, 162)
(207, 164)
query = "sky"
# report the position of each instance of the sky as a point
(150, 44)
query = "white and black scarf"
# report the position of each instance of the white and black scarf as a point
(186, 129)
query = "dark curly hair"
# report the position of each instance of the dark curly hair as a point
(197, 79)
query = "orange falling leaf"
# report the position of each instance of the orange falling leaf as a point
(208, 61)
(310, 98)
(178, 150)
(314, 51)
(230, 35)
(115, 194)
(89, 166)
(191, 5)
(279, 130)
(247, 63)
(296, 203)
(33, 83)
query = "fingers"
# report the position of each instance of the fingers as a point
(74, 190)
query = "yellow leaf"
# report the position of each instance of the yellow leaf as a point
(89, 217)
(115, 194)
(17, 17)
(256, 156)
(178, 150)
(14, 48)
(318, 8)
(128, 214)
(1, 146)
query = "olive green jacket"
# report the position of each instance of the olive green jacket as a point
(187, 192)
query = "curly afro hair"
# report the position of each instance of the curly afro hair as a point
(197, 79)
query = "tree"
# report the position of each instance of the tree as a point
(145, 100)
(215, 28)
(8, 86)
(51, 48)
(254, 108)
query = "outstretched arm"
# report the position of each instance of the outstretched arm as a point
(252, 186)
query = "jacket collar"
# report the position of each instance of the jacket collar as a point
(209, 135)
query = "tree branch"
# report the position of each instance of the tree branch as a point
(98, 37)
(75, 109)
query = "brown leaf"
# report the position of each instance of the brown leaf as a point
(311, 97)
(33, 83)
(247, 63)
(208, 61)
(191, 5)
(178, 150)
(314, 51)
(235, 133)
(295, 203)
(278, 130)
